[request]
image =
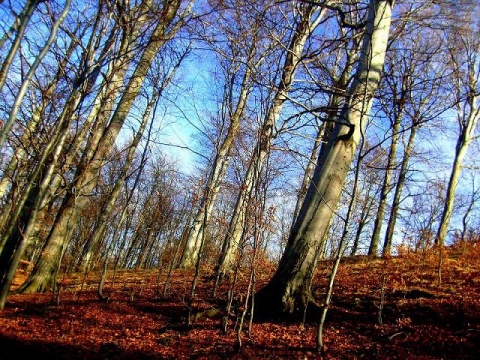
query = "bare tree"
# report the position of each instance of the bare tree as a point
(464, 50)
(41, 277)
(19, 27)
(288, 290)
(240, 60)
(417, 99)
(309, 16)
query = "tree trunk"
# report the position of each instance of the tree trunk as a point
(387, 244)
(217, 173)
(41, 277)
(468, 114)
(287, 291)
(460, 152)
(392, 156)
(266, 135)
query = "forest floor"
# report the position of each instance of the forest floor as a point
(420, 320)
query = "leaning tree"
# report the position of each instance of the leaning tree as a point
(288, 290)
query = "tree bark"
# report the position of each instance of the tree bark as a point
(288, 291)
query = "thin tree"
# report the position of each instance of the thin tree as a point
(464, 51)
(399, 94)
(234, 105)
(420, 81)
(41, 276)
(20, 28)
(28, 78)
(309, 16)
(159, 87)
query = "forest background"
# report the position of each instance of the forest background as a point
(180, 134)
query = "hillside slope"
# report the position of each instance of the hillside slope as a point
(419, 320)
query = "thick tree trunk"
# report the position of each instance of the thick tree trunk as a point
(288, 290)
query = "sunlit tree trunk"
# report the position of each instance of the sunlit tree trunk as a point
(288, 290)
(24, 18)
(217, 172)
(466, 80)
(42, 276)
(389, 232)
(306, 24)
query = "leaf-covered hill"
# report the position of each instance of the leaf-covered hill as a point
(382, 309)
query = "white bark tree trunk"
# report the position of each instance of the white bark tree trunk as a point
(288, 290)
